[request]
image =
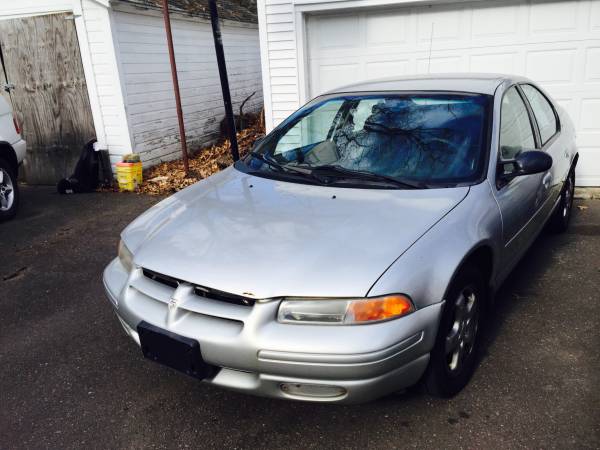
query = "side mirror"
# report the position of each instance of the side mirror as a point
(525, 163)
(257, 142)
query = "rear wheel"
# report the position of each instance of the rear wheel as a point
(562, 216)
(9, 191)
(454, 356)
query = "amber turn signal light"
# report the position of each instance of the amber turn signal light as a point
(380, 308)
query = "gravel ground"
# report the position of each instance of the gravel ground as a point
(70, 378)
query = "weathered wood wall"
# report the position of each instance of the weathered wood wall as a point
(50, 98)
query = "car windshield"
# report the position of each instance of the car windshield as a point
(421, 139)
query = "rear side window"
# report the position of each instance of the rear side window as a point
(516, 133)
(543, 112)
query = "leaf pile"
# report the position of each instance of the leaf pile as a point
(169, 177)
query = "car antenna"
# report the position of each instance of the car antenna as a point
(430, 46)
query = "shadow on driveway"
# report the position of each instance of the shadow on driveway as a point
(70, 378)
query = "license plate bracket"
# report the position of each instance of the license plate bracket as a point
(173, 350)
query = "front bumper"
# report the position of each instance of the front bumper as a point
(258, 355)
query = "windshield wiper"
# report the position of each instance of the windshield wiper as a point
(280, 167)
(317, 173)
(339, 171)
(270, 162)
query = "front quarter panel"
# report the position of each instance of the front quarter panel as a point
(425, 270)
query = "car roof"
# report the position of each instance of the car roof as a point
(480, 83)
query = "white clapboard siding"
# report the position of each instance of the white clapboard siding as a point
(114, 134)
(279, 42)
(146, 79)
(556, 43)
(22, 8)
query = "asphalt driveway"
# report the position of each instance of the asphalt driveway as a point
(70, 378)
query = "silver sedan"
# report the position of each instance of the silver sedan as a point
(358, 247)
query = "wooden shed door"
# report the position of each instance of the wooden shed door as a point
(50, 99)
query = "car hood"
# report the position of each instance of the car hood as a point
(265, 238)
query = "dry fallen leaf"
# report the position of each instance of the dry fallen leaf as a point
(158, 179)
(168, 177)
(582, 207)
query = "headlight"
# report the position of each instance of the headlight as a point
(344, 311)
(125, 256)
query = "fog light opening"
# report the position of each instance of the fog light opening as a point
(312, 390)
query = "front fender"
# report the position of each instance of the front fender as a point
(426, 269)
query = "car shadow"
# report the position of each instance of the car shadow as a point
(519, 283)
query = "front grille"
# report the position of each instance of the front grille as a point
(215, 294)
(163, 279)
(201, 291)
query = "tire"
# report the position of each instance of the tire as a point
(455, 353)
(9, 190)
(559, 222)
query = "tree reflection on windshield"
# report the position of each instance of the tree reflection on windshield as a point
(437, 137)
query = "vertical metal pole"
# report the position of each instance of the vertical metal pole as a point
(214, 19)
(175, 85)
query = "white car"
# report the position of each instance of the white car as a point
(12, 153)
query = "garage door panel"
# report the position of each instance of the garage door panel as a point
(553, 17)
(590, 114)
(337, 75)
(588, 140)
(551, 66)
(588, 166)
(496, 21)
(595, 17)
(447, 24)
(440, 64)
(387, 68)
(386, 28)
(592, 65)
(335, 32)
(499, 62)
(556, 43)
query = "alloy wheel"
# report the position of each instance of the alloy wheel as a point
(460, 340)
(7, 193)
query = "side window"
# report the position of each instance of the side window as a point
(516, 133)
(543, 112)
(311, 129)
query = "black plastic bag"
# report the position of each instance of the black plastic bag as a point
(85, 176)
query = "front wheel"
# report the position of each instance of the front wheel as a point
(9, 191)
(454, 356)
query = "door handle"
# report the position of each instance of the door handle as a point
(547, 180)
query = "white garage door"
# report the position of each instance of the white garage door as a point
(554, 43)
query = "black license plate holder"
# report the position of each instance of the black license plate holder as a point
(172, 350)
